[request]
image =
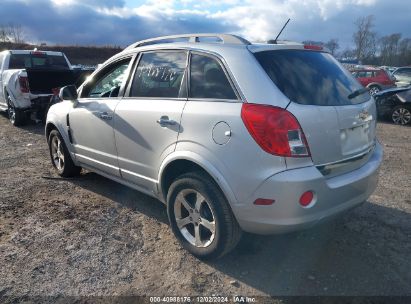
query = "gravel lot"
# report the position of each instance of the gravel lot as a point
(92, 236)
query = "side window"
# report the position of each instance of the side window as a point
(108, 82)
(19, 61)
(407, 72)
(160, 74)
(399, 73)
(403, 72)
(208, 80)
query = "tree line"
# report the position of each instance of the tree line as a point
(11, 33)
(370, 48)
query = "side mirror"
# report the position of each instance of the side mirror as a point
(68, 93)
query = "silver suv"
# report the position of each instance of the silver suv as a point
(231, 136)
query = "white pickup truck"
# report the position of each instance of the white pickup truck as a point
(28, 80)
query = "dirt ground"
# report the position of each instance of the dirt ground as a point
(92, 236)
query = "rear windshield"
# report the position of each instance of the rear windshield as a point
(37, 61)
(310, 77)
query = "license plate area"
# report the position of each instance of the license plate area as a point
(356, 139)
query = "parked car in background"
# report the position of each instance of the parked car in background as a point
(394, 104)
(389, 69)
(374, 79)
(402, 76)
(226, 134)
(27, 80)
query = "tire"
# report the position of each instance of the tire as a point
(196, 203)
(401, 115)
(374, 90)
(16, 116)
(60, 156)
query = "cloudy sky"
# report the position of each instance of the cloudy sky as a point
(121, 22)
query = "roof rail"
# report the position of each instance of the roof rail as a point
(226, 38)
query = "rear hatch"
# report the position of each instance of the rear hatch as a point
(338, 127)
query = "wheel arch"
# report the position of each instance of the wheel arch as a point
(54, 125)
(374, 84)
(7, 95)
(50, 127)
(5, 92)
(179, 164)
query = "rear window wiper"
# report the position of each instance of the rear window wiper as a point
(357, 93)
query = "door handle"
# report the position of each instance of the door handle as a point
(165, 121)
(105, 116)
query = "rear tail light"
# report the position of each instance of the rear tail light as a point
(24, 84)
(275, 130)
(38, 53)
(55, 91)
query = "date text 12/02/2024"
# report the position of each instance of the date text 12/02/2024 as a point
(203, 299)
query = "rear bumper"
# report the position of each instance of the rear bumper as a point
(32, 102)
(332, 196)
(40, 101)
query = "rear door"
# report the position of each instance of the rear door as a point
(365, 77)
(336, 126)
(92, 118)
(147, 120)
(382, 77)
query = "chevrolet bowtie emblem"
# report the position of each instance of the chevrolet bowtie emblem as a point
(363, 115)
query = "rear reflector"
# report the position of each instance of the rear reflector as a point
(24, 84)
(306, 198)
(263, 202)
(275, 130)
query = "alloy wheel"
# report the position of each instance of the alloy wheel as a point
(194, 218)
(374, 90)
(401, 116)
(57, 153)
(12, 114)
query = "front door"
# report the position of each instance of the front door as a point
(2, 98)
(92, 118)
(147, 119)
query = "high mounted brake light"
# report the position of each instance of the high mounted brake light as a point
(313, 47)
(38, 53)
(275, 130)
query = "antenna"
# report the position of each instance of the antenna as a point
(275, 40)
